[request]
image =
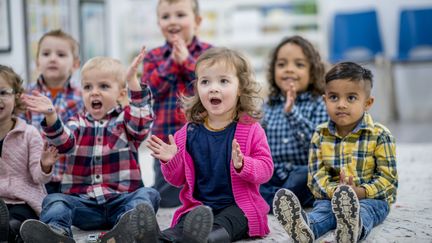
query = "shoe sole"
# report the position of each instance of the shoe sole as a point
(198, 225)
(120, 232)
(345, 206)
(4, 222)
(35, 231)
(287, 209)
(143, 224)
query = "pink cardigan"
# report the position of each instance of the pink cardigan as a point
(257, 169)
(21, 176)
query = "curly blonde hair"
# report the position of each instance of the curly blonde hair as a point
(14, 80)
(249, 101)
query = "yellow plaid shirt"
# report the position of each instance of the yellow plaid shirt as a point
(367, 154)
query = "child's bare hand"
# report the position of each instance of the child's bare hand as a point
(161, 150)
(237, 155)
(38, 103)
(291, 96)
(180, 52)
(49, 157)
(131, 73)
(360, 191)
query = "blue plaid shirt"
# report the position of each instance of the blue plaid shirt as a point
(67, 103)
(289, 134)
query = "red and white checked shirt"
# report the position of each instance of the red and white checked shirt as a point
(102, 156)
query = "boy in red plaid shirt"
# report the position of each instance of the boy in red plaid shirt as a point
(169, 71)
(102, 186)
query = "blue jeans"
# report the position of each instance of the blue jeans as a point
(372, 213)
(295, 182)
(63, 210)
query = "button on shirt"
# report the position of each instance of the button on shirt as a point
(102, 155)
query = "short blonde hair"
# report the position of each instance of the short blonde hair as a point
(108, 65)
(249, 101)
(195, 5)
(58, 33)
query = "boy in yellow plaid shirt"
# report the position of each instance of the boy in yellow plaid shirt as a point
(352, 165)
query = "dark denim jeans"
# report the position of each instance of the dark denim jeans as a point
(372, 213)
(63, 211)
(295, 182)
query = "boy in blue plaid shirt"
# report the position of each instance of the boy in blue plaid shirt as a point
(57, 57)
(352, 166)
(294, 109)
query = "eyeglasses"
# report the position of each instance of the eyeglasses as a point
(6, 93)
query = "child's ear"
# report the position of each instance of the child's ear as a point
(369, 102)
(122, 99)
(76, 64)
(198, 20)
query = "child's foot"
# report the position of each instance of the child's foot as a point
(346, 207)
(143, 224)
(120, 232)
(198, 225)
(289, 213)
(35, 231)
(4, 222)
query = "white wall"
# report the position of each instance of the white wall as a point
(16, 57)
(388, 14)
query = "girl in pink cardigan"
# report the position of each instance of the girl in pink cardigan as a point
(23, 171)
(220, 157)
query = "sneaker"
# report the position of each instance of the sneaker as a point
(120, 232)
(35, 231)
(346, 208)
(143, 224)
(288, 211)
(197, 225)
(4, 222)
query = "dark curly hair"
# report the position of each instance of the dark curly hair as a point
(316, 71)
(14, 80)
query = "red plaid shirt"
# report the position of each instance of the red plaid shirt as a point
(167, 81)
(102, 156)
(67, 103)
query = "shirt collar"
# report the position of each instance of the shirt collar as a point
(366, 123)
(305, 96)
(41, 83)
(114, 112)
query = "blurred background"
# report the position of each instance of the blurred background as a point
(391, 37)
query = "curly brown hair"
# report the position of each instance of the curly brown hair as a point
(249, 101)
(14, 80)
(316, 71)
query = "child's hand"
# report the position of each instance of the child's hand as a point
(48, 158)
(360, 191)
(160, 149)
(41, 104)
(131, 73)
(236, 155)
(180, 52)
(291, 96)
(38, 103)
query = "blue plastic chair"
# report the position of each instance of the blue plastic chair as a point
(355, 37)
(415, 34)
